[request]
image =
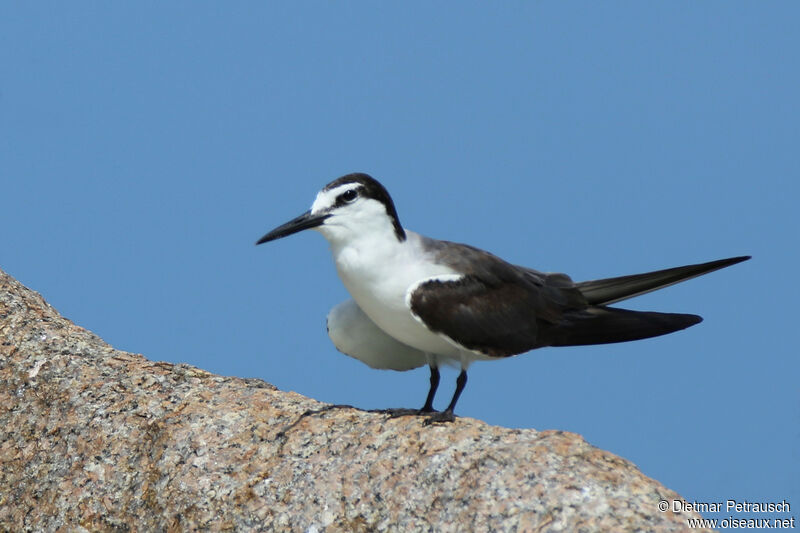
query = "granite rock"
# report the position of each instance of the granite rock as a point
(96, 439)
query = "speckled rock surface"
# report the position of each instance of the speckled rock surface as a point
(95, 439)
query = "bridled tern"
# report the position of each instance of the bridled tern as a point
(418, 300)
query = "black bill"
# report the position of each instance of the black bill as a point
(304, 221)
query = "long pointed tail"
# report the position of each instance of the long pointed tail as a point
(603, 325)
(611, 290)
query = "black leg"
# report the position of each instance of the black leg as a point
(447, 415)
(461, 382)
(428, 407)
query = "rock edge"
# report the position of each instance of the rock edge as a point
(96, 439)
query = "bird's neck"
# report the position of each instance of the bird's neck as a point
(366, 253)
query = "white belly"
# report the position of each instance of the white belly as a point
(378, 280)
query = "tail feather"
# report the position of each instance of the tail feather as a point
(610, 290)
(603, 325)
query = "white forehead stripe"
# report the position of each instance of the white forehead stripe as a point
(326, 198)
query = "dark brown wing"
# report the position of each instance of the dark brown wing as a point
(611, 290)
(499, 309)
(496, 308)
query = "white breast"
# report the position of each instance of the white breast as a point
(378, 273)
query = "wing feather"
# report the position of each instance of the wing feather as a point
(498, 318)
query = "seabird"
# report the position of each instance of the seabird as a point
(417, 300)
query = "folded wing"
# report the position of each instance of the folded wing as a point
(610, 290)
(497, 309)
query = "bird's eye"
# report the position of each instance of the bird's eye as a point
(349, 195)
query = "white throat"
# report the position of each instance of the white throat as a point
(378, 267)
(362, 224)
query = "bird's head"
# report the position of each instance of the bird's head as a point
(345, 209)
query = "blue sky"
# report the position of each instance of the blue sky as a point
(145, 147)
